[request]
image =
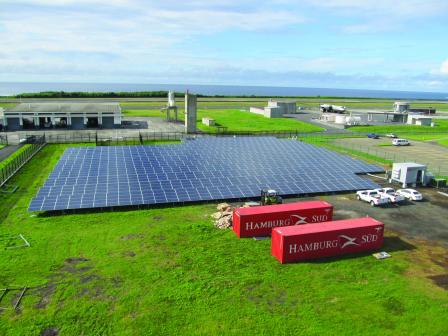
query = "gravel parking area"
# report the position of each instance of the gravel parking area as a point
(433, 155)
(426, 220)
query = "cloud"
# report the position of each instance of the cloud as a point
(374, 16)
(444, 68)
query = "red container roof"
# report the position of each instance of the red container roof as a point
(266, 209)
(326, 226)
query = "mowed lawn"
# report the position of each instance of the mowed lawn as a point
(236, 120)
(438, 133)
(168, 271)
(441, 127)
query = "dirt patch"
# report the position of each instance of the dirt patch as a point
(129, 254)
(45, 293)
(440, 280)
(50, 331)
(88, 278)
(74, 269)
(92, 292)
(133, 236)
(157, 218)
(344, 214)
(75, 261)
(117, 281)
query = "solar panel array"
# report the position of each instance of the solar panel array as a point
(196, 170)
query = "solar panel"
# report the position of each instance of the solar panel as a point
(201, 169)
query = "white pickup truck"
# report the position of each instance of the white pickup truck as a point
(391, 195)
(372, 196)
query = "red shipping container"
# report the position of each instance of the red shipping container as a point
(311, 241)
(258, 221)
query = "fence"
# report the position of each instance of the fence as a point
(18, 159)
(134, 138)
(382, 155)
(3, 139)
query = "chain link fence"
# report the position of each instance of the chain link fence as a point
(18, 159)
(386, 157)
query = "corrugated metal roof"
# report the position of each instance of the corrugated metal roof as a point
(66, 107)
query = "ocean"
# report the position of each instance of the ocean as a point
(7, 89)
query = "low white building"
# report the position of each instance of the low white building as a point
(409, 173)
(276, 109)
(61, 115)
(419, 120)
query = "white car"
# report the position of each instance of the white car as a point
(372, 197)
(400, 142)
(391, 135)
(411, 194)
(390, 193)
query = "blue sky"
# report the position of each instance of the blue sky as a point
(370, 44)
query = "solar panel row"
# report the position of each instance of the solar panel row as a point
(196, 170)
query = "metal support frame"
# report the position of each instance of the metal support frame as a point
(168, 110)
(8, 189)
(25, 243)
(16, 304)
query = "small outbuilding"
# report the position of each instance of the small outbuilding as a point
(409, 173)
(276, 109)
(419, 120)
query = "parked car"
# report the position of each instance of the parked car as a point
(400, 142)
(390, 193)
(373, 136)
(411, 194)
(391, 135)
(372, 197)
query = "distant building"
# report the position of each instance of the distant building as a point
(404, 107)
(61, 115)
(419, 120)
(276, 109)
(401, 107)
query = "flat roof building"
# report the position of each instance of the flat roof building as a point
(419, 120)
(61, 115)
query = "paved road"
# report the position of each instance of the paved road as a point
(433, 155)
(310, 116)
(5, 152)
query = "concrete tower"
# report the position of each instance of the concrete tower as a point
(190, 112)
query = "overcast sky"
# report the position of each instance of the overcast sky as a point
(373, 44)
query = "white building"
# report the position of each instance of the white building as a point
(401, 107)
(61, 115)
(276, 109)
(419, 120)
(409, 173)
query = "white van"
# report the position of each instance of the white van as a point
(400, 142)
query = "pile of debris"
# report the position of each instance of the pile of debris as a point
(223, 218)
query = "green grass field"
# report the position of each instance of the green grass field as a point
(8, 104)
(236, 120)
(168, 271)
(441, 127)
(439, 133)
(243, 121)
